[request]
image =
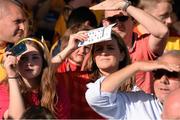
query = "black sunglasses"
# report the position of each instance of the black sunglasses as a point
(160, 72)
(117, 18)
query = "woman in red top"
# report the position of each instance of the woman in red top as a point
(74, 61)
(69, 75)
(107, 57)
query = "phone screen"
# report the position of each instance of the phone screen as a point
(18, 49)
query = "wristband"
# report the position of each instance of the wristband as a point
(126, 5)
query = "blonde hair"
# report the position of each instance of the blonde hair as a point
(46, 82)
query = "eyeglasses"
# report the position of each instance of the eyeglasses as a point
(159, 73)
(117, 18)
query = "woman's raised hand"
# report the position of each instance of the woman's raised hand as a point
(74, 39)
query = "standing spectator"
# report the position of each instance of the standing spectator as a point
(31, 81)
(103, 95)
(162, 10)
(107, 57)
(147, 47)
(13, 26)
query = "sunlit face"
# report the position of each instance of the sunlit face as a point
(13, 25)
(171, 106)
(164, 85)
(163, 12)
(123, 28)
(79, 54)
(107, 56)
(30, 63)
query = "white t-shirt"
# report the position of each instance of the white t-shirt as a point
(123, 105)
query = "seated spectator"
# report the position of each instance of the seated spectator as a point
(171, 106)
(103, 95)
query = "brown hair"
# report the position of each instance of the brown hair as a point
(126, 61)
(46, 82)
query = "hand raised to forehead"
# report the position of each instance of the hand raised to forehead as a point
(109, 5)
(154, 65)
(74, 39)
(174, 67)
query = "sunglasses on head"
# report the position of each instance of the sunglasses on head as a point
(159, 73)
(117, 18)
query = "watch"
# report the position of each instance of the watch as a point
(126, 5)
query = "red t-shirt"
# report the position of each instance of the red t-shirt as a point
(67, 65)
(75, 86)
(33, 98)
(4, 99)
(142, 52)
(61, 107)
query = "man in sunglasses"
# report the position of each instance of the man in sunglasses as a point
(146, 47)
(106, 99)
